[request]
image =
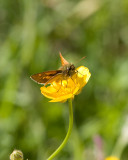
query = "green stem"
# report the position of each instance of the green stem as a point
(68, 133)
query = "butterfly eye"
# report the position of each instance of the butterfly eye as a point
(72, 67)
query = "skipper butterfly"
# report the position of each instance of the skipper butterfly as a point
(64, 72)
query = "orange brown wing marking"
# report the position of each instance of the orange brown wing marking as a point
(63, 60)
(56, 78)
(43, 77)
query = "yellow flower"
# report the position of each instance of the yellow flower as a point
(111, 158)
(62, 88)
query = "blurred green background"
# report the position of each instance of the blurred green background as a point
(32, 32)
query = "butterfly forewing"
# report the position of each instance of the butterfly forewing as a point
(45, 77)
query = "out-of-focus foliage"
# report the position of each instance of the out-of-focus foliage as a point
(32, 32)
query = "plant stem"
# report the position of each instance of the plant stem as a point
(68, 133)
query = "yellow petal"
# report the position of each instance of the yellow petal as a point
(83, 74)
(62, 98)
(111, 158)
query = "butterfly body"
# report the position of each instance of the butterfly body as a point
(68, 70)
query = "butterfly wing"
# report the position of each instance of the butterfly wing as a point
(45, 77)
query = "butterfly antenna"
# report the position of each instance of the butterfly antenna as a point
(80, 59)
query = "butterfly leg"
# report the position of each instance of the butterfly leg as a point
(67, 83)
(73, 81)
(60, 86)
(79, 73)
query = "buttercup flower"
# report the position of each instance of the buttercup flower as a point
(60, 85)
(63, 87)
(111, 158)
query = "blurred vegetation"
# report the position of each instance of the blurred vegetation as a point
(32, 32)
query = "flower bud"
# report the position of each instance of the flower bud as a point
(16, 155)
